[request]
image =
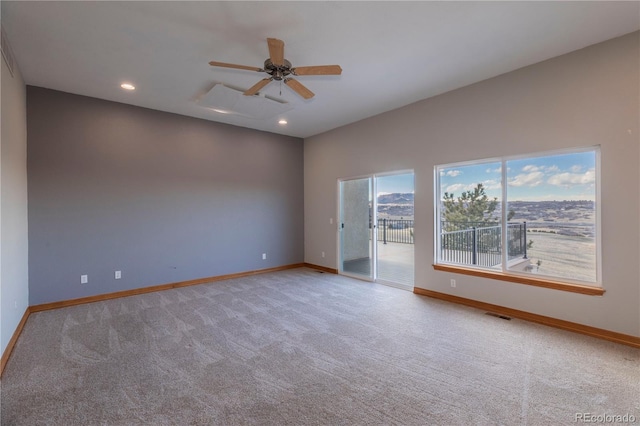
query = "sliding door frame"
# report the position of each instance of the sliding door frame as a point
(372, 231)
(382, 280)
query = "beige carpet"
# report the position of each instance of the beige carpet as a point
(301, 347)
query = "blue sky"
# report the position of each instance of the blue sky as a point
(556, 177)
(395, 183)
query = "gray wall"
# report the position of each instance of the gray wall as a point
(584, 98)
(14, 278)
(161, 197)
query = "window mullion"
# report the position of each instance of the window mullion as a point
(505, 247)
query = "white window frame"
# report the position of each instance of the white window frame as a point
(505, 274)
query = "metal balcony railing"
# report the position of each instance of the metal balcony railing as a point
(395, 231)
(476, 243)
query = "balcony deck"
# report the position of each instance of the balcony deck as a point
(395, 264)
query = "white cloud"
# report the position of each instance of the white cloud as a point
(457, 187)
(496, 170)
(576, 169)
(492, 188)
(527, 179)
(453, 173)
(530, 168)
(551, 169)
(568, 180)
(491, 184)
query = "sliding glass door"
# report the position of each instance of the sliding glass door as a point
(356, 228)
(395, 230)
(376, 232)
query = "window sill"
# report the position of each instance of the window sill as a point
(537, 282)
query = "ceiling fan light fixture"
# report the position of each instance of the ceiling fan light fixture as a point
(128, 86)
(282, 122)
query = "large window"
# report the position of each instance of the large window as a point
(533, 216)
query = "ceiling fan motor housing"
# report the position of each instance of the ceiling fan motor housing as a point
(277, 72)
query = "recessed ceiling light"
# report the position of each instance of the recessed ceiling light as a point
(128, 86)
(282, 122)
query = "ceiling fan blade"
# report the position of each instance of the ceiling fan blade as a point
(299, 88)
(276, 51)
(318, 70)
(256, 87)
(240, 67)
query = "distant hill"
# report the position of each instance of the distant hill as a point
(396, 198)
(554, 211)
(395, 206)
(543, 215)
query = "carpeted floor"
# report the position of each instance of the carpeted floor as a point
(301, 347)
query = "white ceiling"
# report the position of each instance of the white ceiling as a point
(392, 53)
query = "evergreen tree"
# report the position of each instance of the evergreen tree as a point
(472, 208)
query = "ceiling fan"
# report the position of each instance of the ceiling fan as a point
(280, 69)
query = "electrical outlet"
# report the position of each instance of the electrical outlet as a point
(264, 256)
(453, 282)
(84, 279)
(118, 275)
(322, 254)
